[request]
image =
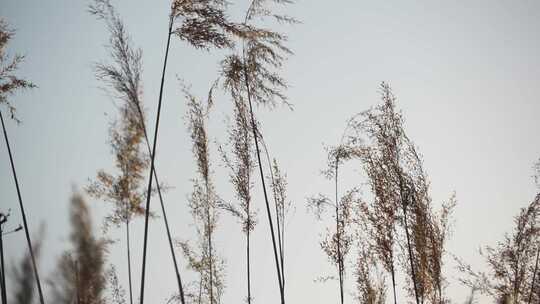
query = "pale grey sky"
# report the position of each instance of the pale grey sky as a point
(466, 74)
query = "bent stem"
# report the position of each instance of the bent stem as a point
(153, 156)
(255, 137)
(165, 220)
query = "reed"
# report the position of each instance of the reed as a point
(337, 242)
(204, 202)
(123, 77)
(254, 76)
(239, 160)
(80, 275)
(9, 85)
(203, 25)
(23, 274)
(511, 263)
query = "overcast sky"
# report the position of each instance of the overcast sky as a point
(466, 74)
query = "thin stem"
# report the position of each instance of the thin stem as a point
(210, 255)
(280, 228)
(255, 137)
(248, 215)
(169, 238)
(393, 274)
(128, 247)
(1, 285)
(516, 272)
(278, 224)
(3, 274)
(534, 276)
(77, 283)
(338, 236)
(200, 290)
(248, 260)
(153, 156)
(282, 248)
(25, 223)
(440, 291)
(413, 275)
(404, 203)
(165, 221)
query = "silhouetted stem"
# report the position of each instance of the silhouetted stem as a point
(404, 203)
(248, 261)
(128, 247)
(3, 273)
(153, 156)
(25, 223)
(255, 137)
(2, 288)
(338, 237)
(169, 238)
(165, 221)
(279, 223)
(1, 285)
(77, 283)
(282, 252)
(209, 236)
(393, 274)
(534, 276)
(413, 275)
(200, 291)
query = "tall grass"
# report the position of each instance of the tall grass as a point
(396, 178)
(9, 85)
(338, 241)
(204, 204)
(253, 75)
(511, 263)
(203, 25)
(239, 160)
(127, 133)
(124, 78)
(533, 280)
(282, 207)
(23, 274)
(395, 231)
(80, 276)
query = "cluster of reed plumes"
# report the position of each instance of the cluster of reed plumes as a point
(396, 228)
(386, 233)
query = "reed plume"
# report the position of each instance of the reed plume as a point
(117, 293)
(80, 276)
(203, 25)
(240, 163)
(23, 274)
(254, 76)
(282, 207)
(338, 241)
(9, 84)
(512, 263)
(123, 189)
(204, 205)
(123, 77)
(369, 281)
(400, 189)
